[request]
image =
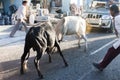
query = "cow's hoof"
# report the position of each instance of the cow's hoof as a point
(50, 61)
(41, 77)
(25, 67)
(85, 50)
(21, 71)
(66, 65)
(79, 46)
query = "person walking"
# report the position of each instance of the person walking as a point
(115, 49)
(21, 18)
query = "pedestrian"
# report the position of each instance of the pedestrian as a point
(21, 18)
(115, 49)
(76, 7)
(111, 2)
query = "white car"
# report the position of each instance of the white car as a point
(98, 15)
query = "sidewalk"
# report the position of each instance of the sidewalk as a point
(4, 35)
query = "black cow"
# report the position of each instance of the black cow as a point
(41, 39)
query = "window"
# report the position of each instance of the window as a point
(36, 2)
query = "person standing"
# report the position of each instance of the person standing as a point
(21, 18)
(115, 49)
(76, 7)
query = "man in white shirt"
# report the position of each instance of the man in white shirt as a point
(21, 17)
(113, 51)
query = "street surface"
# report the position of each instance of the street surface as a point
(80, 62)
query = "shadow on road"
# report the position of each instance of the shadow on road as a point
(10, 70)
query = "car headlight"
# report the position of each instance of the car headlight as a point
(84, 15)
(106, 17)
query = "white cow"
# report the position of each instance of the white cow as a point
(72, 25)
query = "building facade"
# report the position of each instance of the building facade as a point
(7, 3)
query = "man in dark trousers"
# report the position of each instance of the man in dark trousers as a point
(21, 17)
(115, 49)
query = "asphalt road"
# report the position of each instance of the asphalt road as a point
(80, 62)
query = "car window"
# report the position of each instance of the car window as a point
(99, 4)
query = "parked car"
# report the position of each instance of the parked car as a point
(98, 15)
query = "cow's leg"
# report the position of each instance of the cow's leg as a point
(79, 39)
(64, 31)
(49, 57)
(60, 38)
(24, 59)
(58, 47)
(49, 52)
(85, 39)
(36, 62)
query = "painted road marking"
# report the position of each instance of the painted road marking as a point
(92, 53)
(84, 75)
